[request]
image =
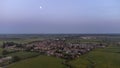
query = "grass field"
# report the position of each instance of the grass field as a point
(79, 41)
(39, 62)
(23, 54)
(100, 58)
(1, 42)
(26, 40)
(1, 51)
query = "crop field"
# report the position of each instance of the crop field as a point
(100, 58)
(39, 62)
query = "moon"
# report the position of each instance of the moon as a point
(40, 7)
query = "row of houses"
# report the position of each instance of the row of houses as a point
(5, 60)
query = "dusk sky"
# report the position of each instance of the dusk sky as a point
(59, 16)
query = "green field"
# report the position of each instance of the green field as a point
(1, 42)
(1, 51)
(100, 58)
(26, 40)
(23, 54)
(39, 62)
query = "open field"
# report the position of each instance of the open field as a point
(23, 54)
(1, 51)
(19, 40)
(100, 58)
(39, 62)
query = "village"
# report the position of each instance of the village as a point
(55, 47)
(64, 48)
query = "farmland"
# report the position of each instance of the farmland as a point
(23, 55)
(39, 62)
(100, 58)
(19, 40)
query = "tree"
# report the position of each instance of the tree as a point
(4, 52)
(15, 58)
(3, 46)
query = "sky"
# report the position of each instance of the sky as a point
(59, 16)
